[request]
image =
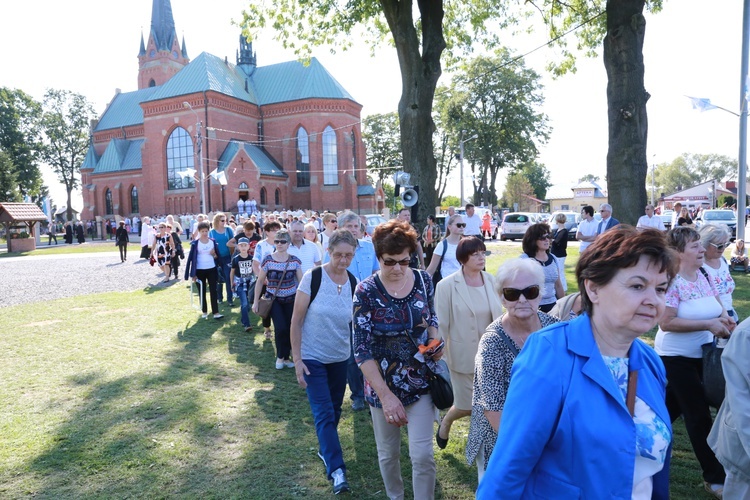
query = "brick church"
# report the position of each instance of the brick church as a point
(287, 135)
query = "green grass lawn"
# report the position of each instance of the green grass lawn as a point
(132, 395)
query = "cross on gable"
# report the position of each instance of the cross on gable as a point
(242, 163)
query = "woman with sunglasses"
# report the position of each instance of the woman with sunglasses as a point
(739, 255)
(444, 261)
(393, 315)
(694, 316)
(223, 235)
(585, 415)
(263, 248)
(466, 303)
(536, 246)
(518, 283)
(282, 272)
(715, 239)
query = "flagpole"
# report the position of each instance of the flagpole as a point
(742, 181)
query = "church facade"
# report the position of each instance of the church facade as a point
(286, 135)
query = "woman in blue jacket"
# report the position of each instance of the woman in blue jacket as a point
(585, 415)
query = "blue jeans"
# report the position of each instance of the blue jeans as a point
(354, 379)
(244, 303)
(325, 391)
(226, 265)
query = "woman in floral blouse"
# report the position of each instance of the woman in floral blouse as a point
(393, 313)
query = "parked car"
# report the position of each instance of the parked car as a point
(727, 217)
(373, 220)
(515, 224)
(572, 219)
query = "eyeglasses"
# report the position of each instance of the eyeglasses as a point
(719, 247)
(545, 237)
(280, 242)
(460, 224)
(391, 262)
(334, 221)
(513, 294)
(346, 256)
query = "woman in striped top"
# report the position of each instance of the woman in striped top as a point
(283, 272)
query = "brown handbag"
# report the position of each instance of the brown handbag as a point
(266, 301)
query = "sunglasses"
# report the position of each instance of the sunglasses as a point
(334, 221)
(719, 247)
(545, 237)
(460, 224)
(391, 262)
(513, 294)
(280, 242)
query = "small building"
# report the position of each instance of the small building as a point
(701, 196)
(20, 221)
(571, 197)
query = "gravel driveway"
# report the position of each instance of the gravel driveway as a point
(41, 278)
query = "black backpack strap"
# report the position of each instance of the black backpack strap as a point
(352, 281)
(317, 276)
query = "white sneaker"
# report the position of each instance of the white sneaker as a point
(339, 482)
(289, 364)
(279, 364)
(204, 316)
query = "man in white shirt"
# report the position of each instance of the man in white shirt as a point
(473, 222)
(676, 213)
(651, 220)
(586, 233)
(306, 251)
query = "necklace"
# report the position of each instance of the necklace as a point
(406, 279)
(338, 288)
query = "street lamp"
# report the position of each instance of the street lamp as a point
(461, 160)
(199, 142)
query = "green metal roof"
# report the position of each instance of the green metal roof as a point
(283, 82)
(121, 154)
(91, 159)
(292, 81)
(125, 109)
(265, 164)
(206, 72)
(365, 190)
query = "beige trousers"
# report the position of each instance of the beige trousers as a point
(421, 416)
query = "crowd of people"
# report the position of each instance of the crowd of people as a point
(563, 398)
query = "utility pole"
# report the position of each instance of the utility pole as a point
(461, 160)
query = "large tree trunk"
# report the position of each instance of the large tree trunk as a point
(420, 72)
(627, 165)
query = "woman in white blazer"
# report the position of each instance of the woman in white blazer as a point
(466, 303)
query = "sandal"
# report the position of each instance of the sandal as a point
(715, 490)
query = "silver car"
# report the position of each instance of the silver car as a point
(515, 224)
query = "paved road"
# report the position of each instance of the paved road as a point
(40, 278)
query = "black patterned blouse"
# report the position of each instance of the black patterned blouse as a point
(491, 381)
(381, 326)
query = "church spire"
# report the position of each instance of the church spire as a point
(161, 56)
(246, 57)
(162, 25)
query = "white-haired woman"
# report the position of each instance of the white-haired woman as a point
(519, 283)
(715, 239)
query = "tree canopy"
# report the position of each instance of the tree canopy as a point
(20, 139)
(65, 123)
(688, 170)
(383, 143)
(498, 100)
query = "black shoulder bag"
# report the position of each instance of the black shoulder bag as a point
(441, 389)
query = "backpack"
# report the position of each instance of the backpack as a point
(438, 274)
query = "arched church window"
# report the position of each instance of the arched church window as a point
(330, 158)
(243, 185)
(108, 201)
(180, 157)
(263, 200)
(354, 153)
(303, 158)
(134, 200)
(152, 83)
(277, 196)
